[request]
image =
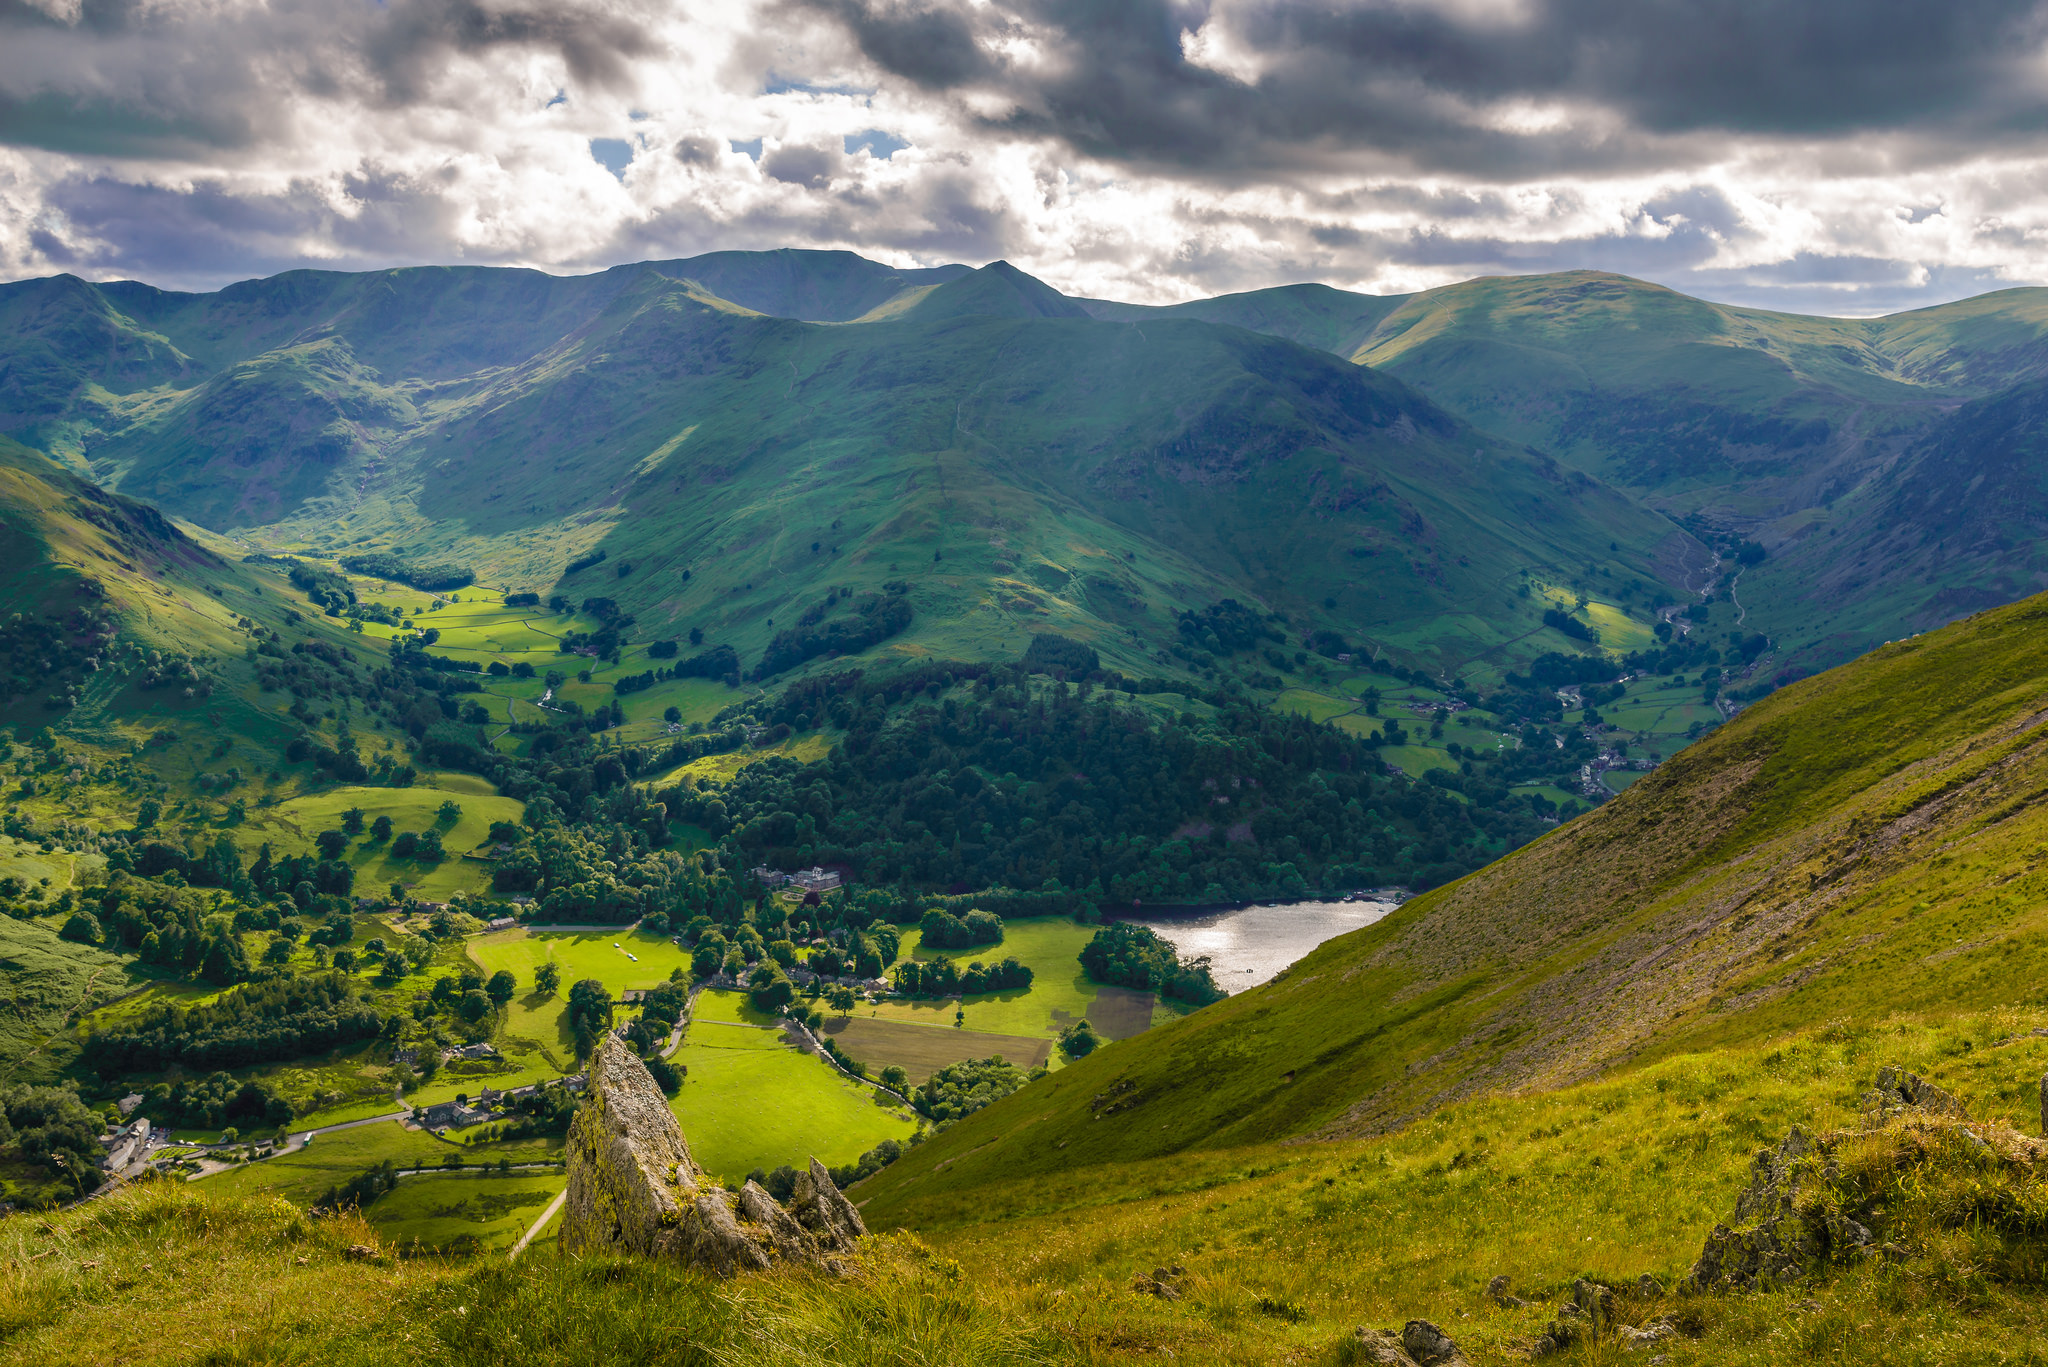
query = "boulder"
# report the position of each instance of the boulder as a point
(634, 1188)
(1497, 1291)
(1418, 1344)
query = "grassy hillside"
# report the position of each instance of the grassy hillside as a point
(1272, 1254)
(1861, 843)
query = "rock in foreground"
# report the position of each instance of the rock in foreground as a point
(633, 1188)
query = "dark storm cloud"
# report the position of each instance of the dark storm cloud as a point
(133, 80)
(1404, 78)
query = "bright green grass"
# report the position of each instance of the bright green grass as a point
(1315, 706)
(436, 1211)
(1059, 995)
(291, 827)
(601, 955)
(1417, 760)
(542, 1020)
(750, 1101)
(332, 1159)
(722, 1004)
(49, 984)
(361, 1108)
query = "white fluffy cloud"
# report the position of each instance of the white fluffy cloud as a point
(1857, 157)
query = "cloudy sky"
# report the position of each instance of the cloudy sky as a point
(1838, 156)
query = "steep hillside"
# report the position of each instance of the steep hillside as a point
(1807, 436)
(1864, 842)
(973, 434)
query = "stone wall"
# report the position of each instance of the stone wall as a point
(634, 1188)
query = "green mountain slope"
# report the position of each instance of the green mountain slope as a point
(1022, 466)
(1813, 437)
(1866, 841)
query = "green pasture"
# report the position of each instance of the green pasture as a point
(291, 827)
(728, 1006)
(750, 1101)
(542, 1021)
(1313, 705)
(1417, 760)
(332, 1159)
(440, 1210)
(1059, 995)
(49, 985)
(27, 861)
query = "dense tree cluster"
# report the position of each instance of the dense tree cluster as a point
(611, 870)
(1072, 790)
(1228, 627)
(941, 929)
(256, 1023)
(874, 618)
(51, 1127)
(944, 977)
(961, 1089)
(1126, 954)
(433, 578)
(208, 1103)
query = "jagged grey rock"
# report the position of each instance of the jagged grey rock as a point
(634, 1188)
(1775, 1238)
(1418, 1344)
(1897, 1091)
(1498, 1292)
(1429, 1345)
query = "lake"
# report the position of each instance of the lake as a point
(1247, 946)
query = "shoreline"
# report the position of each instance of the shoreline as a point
(1169, 911)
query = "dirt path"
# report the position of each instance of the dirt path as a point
(538, 1225)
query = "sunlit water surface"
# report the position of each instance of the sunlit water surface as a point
(1248, 946)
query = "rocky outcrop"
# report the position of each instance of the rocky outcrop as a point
(1418, 1344)
(634, 1188)
(1897, 1092)
(1779, 1230)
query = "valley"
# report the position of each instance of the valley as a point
(818, 677)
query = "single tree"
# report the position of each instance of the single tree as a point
(547, 979)
(502, 986)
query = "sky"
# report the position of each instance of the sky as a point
(1823, 156)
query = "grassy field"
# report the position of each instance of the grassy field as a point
(751, 1101)
(487, 1210)
(921, 1050)
(332, 1159)
(1059, 995)
(49, 984)
(542, 1020)
(291, 827)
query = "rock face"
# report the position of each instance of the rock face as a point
(633, 1188)
(1897, 1092)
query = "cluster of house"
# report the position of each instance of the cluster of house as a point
(411, 1057)
(808, 880)
(127, 1148)
(483, 1108)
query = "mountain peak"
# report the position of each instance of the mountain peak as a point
(997, 290)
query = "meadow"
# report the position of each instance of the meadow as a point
(749, 1100)
(332, 1159)
(486, 1212)
(291, 827)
